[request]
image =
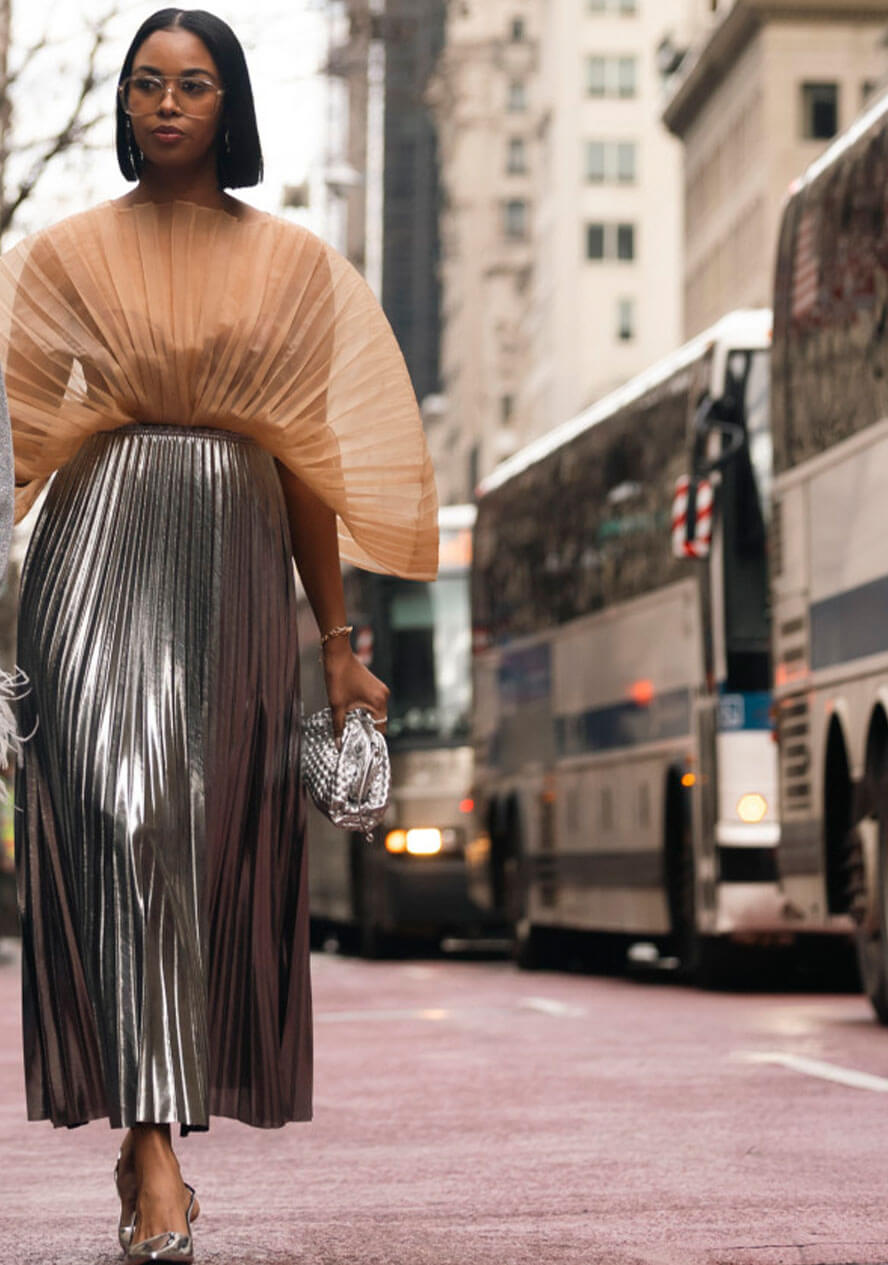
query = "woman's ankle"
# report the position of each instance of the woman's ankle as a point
(152, 1148)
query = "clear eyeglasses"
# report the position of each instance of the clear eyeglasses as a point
(194, 96)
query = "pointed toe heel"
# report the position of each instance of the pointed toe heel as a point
(124, 1227)
(169, 1246)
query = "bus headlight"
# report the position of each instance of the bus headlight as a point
(423, 843)
(751, 807)
(426, 841)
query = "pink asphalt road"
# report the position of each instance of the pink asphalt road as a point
(468, 1114)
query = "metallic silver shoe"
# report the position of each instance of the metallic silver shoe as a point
(124, 1229)
(165, 1247)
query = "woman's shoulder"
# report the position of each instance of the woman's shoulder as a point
(291, 231)
(43, 248)
(45, 242)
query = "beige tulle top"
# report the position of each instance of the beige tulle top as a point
(185, 315)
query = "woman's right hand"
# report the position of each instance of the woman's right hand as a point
(350, 684)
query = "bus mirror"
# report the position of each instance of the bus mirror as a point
(692, 518)
(716, 416)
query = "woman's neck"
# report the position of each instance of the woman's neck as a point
(200, 187)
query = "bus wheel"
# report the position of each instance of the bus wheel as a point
(532, 946)
(373, 943)
(369, 938)
(680, 877)
(871, 912)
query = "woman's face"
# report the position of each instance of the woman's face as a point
(181, 126)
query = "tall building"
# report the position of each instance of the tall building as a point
(561, 228)
(411, 191)
(764, 89)
(605, 301)
(385, 174)
(485, 100)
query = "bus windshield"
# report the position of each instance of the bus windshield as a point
(430, 666)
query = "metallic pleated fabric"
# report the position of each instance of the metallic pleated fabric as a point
(162, 873)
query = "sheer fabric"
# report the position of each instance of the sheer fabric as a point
(183, 315)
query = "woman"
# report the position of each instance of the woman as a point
(219, 393)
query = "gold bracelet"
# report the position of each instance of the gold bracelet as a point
(344, 630)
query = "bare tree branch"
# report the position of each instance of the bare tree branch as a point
(28, 57)
(74, 129)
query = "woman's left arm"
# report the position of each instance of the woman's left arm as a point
(316, 552)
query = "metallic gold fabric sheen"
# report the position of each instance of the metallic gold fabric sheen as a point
(245, 323)
(162, 874)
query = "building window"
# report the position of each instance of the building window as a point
(626, 86)
(517, 98)
(596, 76)
(610, 162)
(626, 162)
(517, 30)
(515, 218)
(611, 76)
(507, 407)
(820, 111)
(596, 161)
(610, 241)
(595, 241)
(516, 161)
(626, 7)
(626, 320)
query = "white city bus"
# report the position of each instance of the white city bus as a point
(830, 557)
(626, 767)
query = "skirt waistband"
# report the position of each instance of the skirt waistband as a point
(156, 430)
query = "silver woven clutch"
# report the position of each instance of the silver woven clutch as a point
(350, 783)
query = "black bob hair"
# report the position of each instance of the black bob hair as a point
(239, 158)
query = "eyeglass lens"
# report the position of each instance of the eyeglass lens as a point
(142, 94)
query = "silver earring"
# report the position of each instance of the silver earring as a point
(135, 154)
(226, 140)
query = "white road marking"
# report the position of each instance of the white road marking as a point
(816, 1067)
(548, 1006)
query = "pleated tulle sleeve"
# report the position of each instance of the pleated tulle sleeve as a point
(188, 316)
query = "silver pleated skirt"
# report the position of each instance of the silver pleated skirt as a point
(161, 868)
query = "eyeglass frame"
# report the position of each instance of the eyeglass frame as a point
(166, 80)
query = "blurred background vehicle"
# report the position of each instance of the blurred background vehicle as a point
(829, 562)
(409, 883)
(625, 764)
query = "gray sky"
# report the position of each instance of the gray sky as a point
(284, 40)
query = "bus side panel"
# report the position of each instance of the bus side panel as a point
(617, 729)
(832, 640)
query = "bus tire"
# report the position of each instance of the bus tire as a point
(872, 912)
(373, 943)
(370, 940)
(531, 947)
(680, 876)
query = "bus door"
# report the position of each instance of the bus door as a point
(737, 809)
